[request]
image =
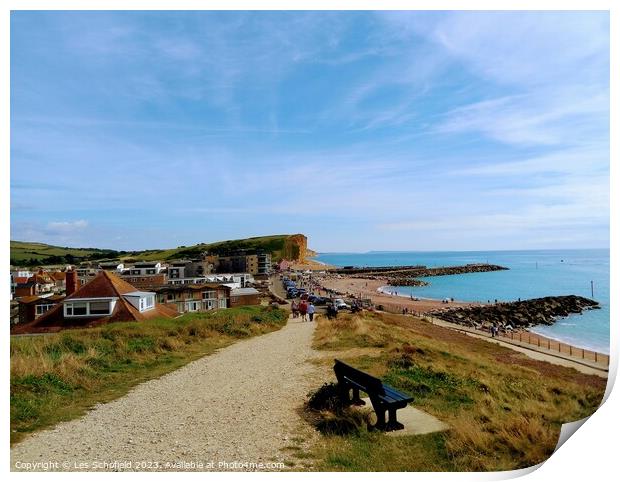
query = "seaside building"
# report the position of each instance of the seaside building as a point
(190, 298)
(148, 281)
(111, 266)
(59, 281)
(142, 268)
(191, 268)
(257, 262)
(232, 280)
(104, 299)
(32, 307)
(244, 297)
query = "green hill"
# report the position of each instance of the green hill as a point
(31, 254)
(280, 246)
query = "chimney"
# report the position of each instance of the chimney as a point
(71, 281)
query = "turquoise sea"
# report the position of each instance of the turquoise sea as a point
(532, 274)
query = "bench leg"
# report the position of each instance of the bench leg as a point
(380, 425)
(356, 398)
(393, 424)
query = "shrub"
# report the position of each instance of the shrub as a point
(331, 416)
(327, 397)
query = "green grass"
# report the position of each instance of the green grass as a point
(27, 254)
(277, 245)
(504, 410)
(40, 253)
(59, 376)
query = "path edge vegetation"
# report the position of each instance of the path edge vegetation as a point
(504, 410)
(59, 377)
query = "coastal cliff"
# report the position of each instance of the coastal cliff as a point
(295, 248)
(519, 314)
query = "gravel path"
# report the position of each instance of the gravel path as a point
(239, 405)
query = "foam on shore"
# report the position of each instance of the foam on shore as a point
(387, 291)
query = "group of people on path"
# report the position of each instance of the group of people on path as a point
(303, 308)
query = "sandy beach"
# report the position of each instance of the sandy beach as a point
(311, 265)
(368, 288)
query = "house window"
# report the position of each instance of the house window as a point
(99, 307)
(170, 296)
(40, 309)
(149, 302)
(87, 308)
(206, 295)
(79, 309)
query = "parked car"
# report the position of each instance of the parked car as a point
(319, 300)
(341, 305)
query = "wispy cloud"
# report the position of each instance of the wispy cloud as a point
(168, 128)
(67, 226)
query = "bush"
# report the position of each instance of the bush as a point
(331, 416)
(325, 398)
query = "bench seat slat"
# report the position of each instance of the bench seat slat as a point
(391, 395)
(395, 394)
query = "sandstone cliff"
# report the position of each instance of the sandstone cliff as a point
(295, 248)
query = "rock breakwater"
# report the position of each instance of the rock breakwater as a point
(518, 314)
(408, 275)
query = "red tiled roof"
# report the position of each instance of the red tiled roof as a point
(104, 285)
(21, 279)
(28, 299)
(56, 297)
(41, 278)
(58, 275)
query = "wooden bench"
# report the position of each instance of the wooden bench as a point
(383, 397)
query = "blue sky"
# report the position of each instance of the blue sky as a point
(363, 130)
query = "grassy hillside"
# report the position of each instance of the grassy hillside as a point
(31, 254)
(504, 410)
(58, 377)
(273, 244)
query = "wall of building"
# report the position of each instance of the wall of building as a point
(245, 300)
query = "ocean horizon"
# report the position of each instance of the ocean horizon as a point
(532, 274)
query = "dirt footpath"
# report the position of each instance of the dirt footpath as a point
(238, 405)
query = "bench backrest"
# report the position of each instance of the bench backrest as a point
(370, 384)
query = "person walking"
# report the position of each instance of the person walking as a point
(310, 311)
(295, 309)
(303, 309)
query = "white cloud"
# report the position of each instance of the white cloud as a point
(560, 117)
(67, 226)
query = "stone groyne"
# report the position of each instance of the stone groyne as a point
(407, 275)
(518, 314)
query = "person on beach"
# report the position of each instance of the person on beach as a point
(303, 309)
(295, 309)
(310, 311)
